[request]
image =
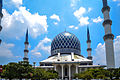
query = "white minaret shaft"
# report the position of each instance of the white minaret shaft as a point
(89, 49)
(108, 38)
(26, 48)
(1, 15)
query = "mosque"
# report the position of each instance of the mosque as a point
(66, 57)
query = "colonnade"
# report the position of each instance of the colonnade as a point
(62, 69)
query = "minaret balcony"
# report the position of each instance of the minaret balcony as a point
(88, 41)
(108, 21)
(25, 58)
(108, 36)
(105, 8)
(89, 49)
(26, 43)
(26, 51)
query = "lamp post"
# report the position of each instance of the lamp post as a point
(34, 64)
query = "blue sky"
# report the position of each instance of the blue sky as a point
(47, 18)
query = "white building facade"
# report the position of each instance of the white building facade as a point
(66, 57)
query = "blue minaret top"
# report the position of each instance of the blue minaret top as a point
(88, 35)
(26, 36)
(104, 3)
(0, 6)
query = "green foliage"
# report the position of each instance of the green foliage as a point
(10, 70)
(39, 73)
(99, 74)
(24, 70)
(52, 74)
(17, 70)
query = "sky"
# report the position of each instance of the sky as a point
(47, 18)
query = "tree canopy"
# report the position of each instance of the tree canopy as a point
(99, 74)
(23, 70)
(17, 70)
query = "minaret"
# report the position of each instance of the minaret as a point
(26, 48)
(89, 49)
(1, 15)
(108, 38)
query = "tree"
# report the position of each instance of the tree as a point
(39, 73)
(17, 70)
(10, 71)
(111, 73)
(25, 70)
(100, 77)
(117, 73)
(52, 74)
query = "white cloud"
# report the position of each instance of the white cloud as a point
(84, 21)
(12, 3)
(117, 1)
(5, 50)
(73, 3)
(6, 53)
(114, 0)
(76, 27)
(73, 27)
(100, 56)
(79, 15)
(55, 17)
(17, 2)
(41, 46)
(97, 20)
(89, 9)
(15, 24)
(37, 54)
(55, 23)
(118, 4)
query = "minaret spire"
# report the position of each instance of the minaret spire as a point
(89, 49)
(26, 47)
(1, 15)
(104, 3)
(108, 38)
(26, 36)
(88, 34)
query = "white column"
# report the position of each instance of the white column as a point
(72, 56)
(58, 56)
(69, 71)
(62, 71)
(76, 68)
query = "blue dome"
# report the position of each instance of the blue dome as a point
(65, 42)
